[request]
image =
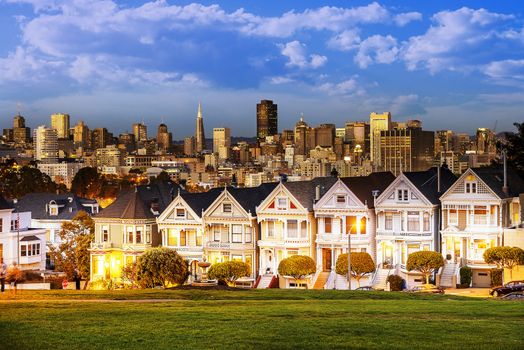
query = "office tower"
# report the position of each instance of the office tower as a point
(267, 120)
(128, 141)
(164, 139)
(325, 135)
(222, 142)
(200, 138)
(60, 122)
(485, 141)
(140, 132)
(406, 149)
(443, 141)
(302, 137)
(100, 138)
(21, 133)
(81, 135)
(340, 132)
(110, 156)
(377, 123)
(189, 145)
(45, 144)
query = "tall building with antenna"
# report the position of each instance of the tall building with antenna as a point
(200, 139)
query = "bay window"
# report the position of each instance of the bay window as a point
(292, 229)
(413, 221)
(236, 231)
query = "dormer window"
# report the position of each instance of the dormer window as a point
(180, 213)
(402, 195)
(226, 208)
(341, 200)
(282, 203)
(53, 209)
(471, 187)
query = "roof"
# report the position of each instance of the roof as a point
(363, 186)
(202, 200)
(29, 239)
(427, 182)
(137, 203)
(304, 191)
(4, 204)
(493, 177)
(250, 197)
(69, 205)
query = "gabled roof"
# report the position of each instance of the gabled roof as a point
(69, 205)
(304, 191)
(493, 177)
(250, 197)
(4, 204)
(136, 203)
(200, 201)
(363, 186)
(427, 182)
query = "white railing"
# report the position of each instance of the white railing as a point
(101, 245)
(330, 283)
(313, 280)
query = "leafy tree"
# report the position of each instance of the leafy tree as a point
(129, 275)
(361, 264)
(229, 271)
(515, 148)
(15, 183)
(504, 257)
(162, 177)
(161, 266)
(87, 183)
(297, 266)
(73, 252)
(425, 262)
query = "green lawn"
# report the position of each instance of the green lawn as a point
(262, 319)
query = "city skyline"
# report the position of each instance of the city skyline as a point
(154, 61)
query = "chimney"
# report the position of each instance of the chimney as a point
(317, 193)
(505, 188)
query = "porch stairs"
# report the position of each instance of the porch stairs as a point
(265, 281)
(381, 278)
(321, 280)
(341, 282)
(448, 271)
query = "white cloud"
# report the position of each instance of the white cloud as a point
(349, 87)
(22, 66)
(345, 41)
(295, 51)
(376, 49)
(404, 18)
(279, 80)
(506, 72)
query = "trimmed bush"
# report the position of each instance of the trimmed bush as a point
(297, 266)
(361, 264)
(229, 271)
(161, 267)
(425, 262)
(496, 277)
(465, 276)
(396, 283)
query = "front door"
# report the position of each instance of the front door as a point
(326, 259)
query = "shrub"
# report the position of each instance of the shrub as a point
(496, 277)
(361, 264)
(504, 257)
(161, 266)
(129, 276)
(396, 283)
(229, 271)
(425, 262)
(297, 266)
(465, 276)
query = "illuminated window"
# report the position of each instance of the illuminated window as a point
(199, 238)
(236, 257)
(172, 238)
(183, 238)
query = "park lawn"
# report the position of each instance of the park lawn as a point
(261, 319)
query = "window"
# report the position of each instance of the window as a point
(363, 225)
(327, 225)
(292, 229)
(199, 239)
(105, 234)
(351, 224)
(129, 235)
(139, 235)
(426, 222)
(303, 229)
(402, 195)
(172, 239)
(14, 225)
(271, 229)
(216, 233)
(236, 257)
(453, 217)
(1, 225)
(53, 210)
(471, 187)
(341, 200)
(183, 238)
(282, 203)
(180, 213)
(292, 252)
(226, 207)
(23, 250)
(413, 221)
(480, 215)
(388, 225)
(249, 234)
(148, 234)
(237, 233)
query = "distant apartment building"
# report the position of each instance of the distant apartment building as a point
(267, 119)
(222, 142)
(61, 173)
(45, 145)
(60, 122)
(377, 124)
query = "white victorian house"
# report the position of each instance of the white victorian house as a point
(288, 225)
(408, 213)
(475, 212)
(347, 208)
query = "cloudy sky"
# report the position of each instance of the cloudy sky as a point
(454, 65)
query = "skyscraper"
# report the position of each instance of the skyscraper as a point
(200, 138)
(189, 146)
(60, 122)
(140, 132)
(302, 137)
(377, 123)
(81, 135)
(222, 142)
(267, 119)
(45, 144)
(21, 133)
(164, 138)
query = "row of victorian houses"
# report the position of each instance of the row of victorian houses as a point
(385, 216)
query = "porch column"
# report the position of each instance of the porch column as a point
(332, 258)
(319, 256)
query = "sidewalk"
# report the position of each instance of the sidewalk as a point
(469, 292)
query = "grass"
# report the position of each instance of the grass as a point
(262, 319)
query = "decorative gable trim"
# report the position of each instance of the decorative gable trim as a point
(458, 186)
(339, 188)
(389, 192)
(169, 212)
(224, 196)
(270, 202)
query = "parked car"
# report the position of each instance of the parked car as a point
(426, 288)
(367, 288)
(513, 286)
(514, 296)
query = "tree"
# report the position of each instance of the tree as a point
(129, 275)
(73, 252)
(87, 183)
(515, 148)
(504, 257)
(425, 262)
(229, 271)
(161, 266)
(297, 266)
(15, 183)
(162, 177)
(361, 265)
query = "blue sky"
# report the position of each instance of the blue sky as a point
(454, 65)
